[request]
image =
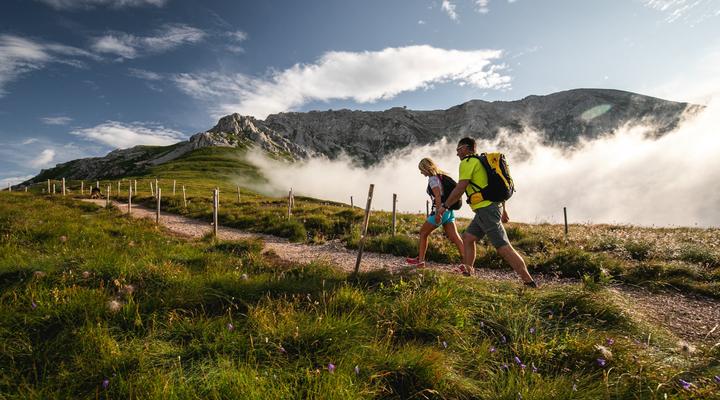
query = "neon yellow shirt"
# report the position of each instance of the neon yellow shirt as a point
(471, 169)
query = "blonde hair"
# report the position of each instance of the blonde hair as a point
(428, 166)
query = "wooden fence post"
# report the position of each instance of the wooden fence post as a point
(26, 189)
(566, 225)
(394, 214)
(9, 187)
(364, 229)
(238, 190)
(159, 197)
(48, 186)
(63, 186)
(130, 193)
(118, 191)
(289, 203)
(135, 188)
(97, 184)
(173, 187)
(184, 197)
(107, 197)
(351, 202)
(216, 194)
(53, 188)
(82, 187)
(152, 191)
(157, 186)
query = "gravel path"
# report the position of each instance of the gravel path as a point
(692, 318)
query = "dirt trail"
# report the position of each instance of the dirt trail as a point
(692, 318)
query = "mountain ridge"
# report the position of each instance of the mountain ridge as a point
(563, 118)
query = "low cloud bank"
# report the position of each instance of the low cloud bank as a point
(623, 178)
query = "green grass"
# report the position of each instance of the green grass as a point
(88, 295)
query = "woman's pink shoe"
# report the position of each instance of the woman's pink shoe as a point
(415, 262)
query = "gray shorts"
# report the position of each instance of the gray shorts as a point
(487, 222)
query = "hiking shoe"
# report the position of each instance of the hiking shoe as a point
(465, 270)
(415, 262)
(531, 284)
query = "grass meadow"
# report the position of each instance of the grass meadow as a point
(96, 305)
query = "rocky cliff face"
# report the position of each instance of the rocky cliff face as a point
(562, 119)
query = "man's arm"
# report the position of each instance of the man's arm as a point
(457, 193)
(504, 218)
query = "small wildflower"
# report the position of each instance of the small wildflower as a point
(574, 387)
(33, 305)
(505, 367)
(106, 383)
(38, 274)
(686, 347)
(86, 274)
(282, 350)
(601, 362)
(717, 378)
(610, 341)
(331, 368)
(503, 339)
(492, 349)
(517, 360)
(244, 277)
(532, 330)
(357, 370)
(230, 326)
(523, 366)
(685, 384)
(534, 368)
(444, 343)
(482, 324)
(63, 238)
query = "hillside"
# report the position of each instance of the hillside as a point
(367, 137)
(95, 305)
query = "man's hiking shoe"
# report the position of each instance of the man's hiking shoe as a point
(531, 284)
(415, 262)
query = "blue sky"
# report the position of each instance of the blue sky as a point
(79, 78)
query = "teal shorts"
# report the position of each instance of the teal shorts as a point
(447, 217)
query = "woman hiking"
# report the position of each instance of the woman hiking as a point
(447, 219)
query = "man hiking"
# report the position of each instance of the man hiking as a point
(488, 217)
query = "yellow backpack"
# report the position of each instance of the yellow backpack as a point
(500, 184)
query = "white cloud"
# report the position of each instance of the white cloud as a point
(19, 56)
(56, 120)
(44, 159)
(238, 36)
(694, 10)
(122, 135)
(13, 180)
(421, 22)
(145, 74)
(449, 9)
(481, 6)
(89, 4)
(364, 77)
(29, 141)
(128, 46)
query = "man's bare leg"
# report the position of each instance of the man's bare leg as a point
(469, 256)
(517, 263)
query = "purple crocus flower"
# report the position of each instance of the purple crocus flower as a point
(106, 383)
(282, 350)
(610, 341)
(503, 339)
(492, 349)
(357, 370)
(685, 384)
(532, 330)
(33, 305)
(517, 360)
(444, 343)
(523, 366)
(230, 326)
(717, 378)
(601, 362)
(331, 368)
(505, 367)
(534, 368)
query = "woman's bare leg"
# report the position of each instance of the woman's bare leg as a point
(454, 236)
(425, 231)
